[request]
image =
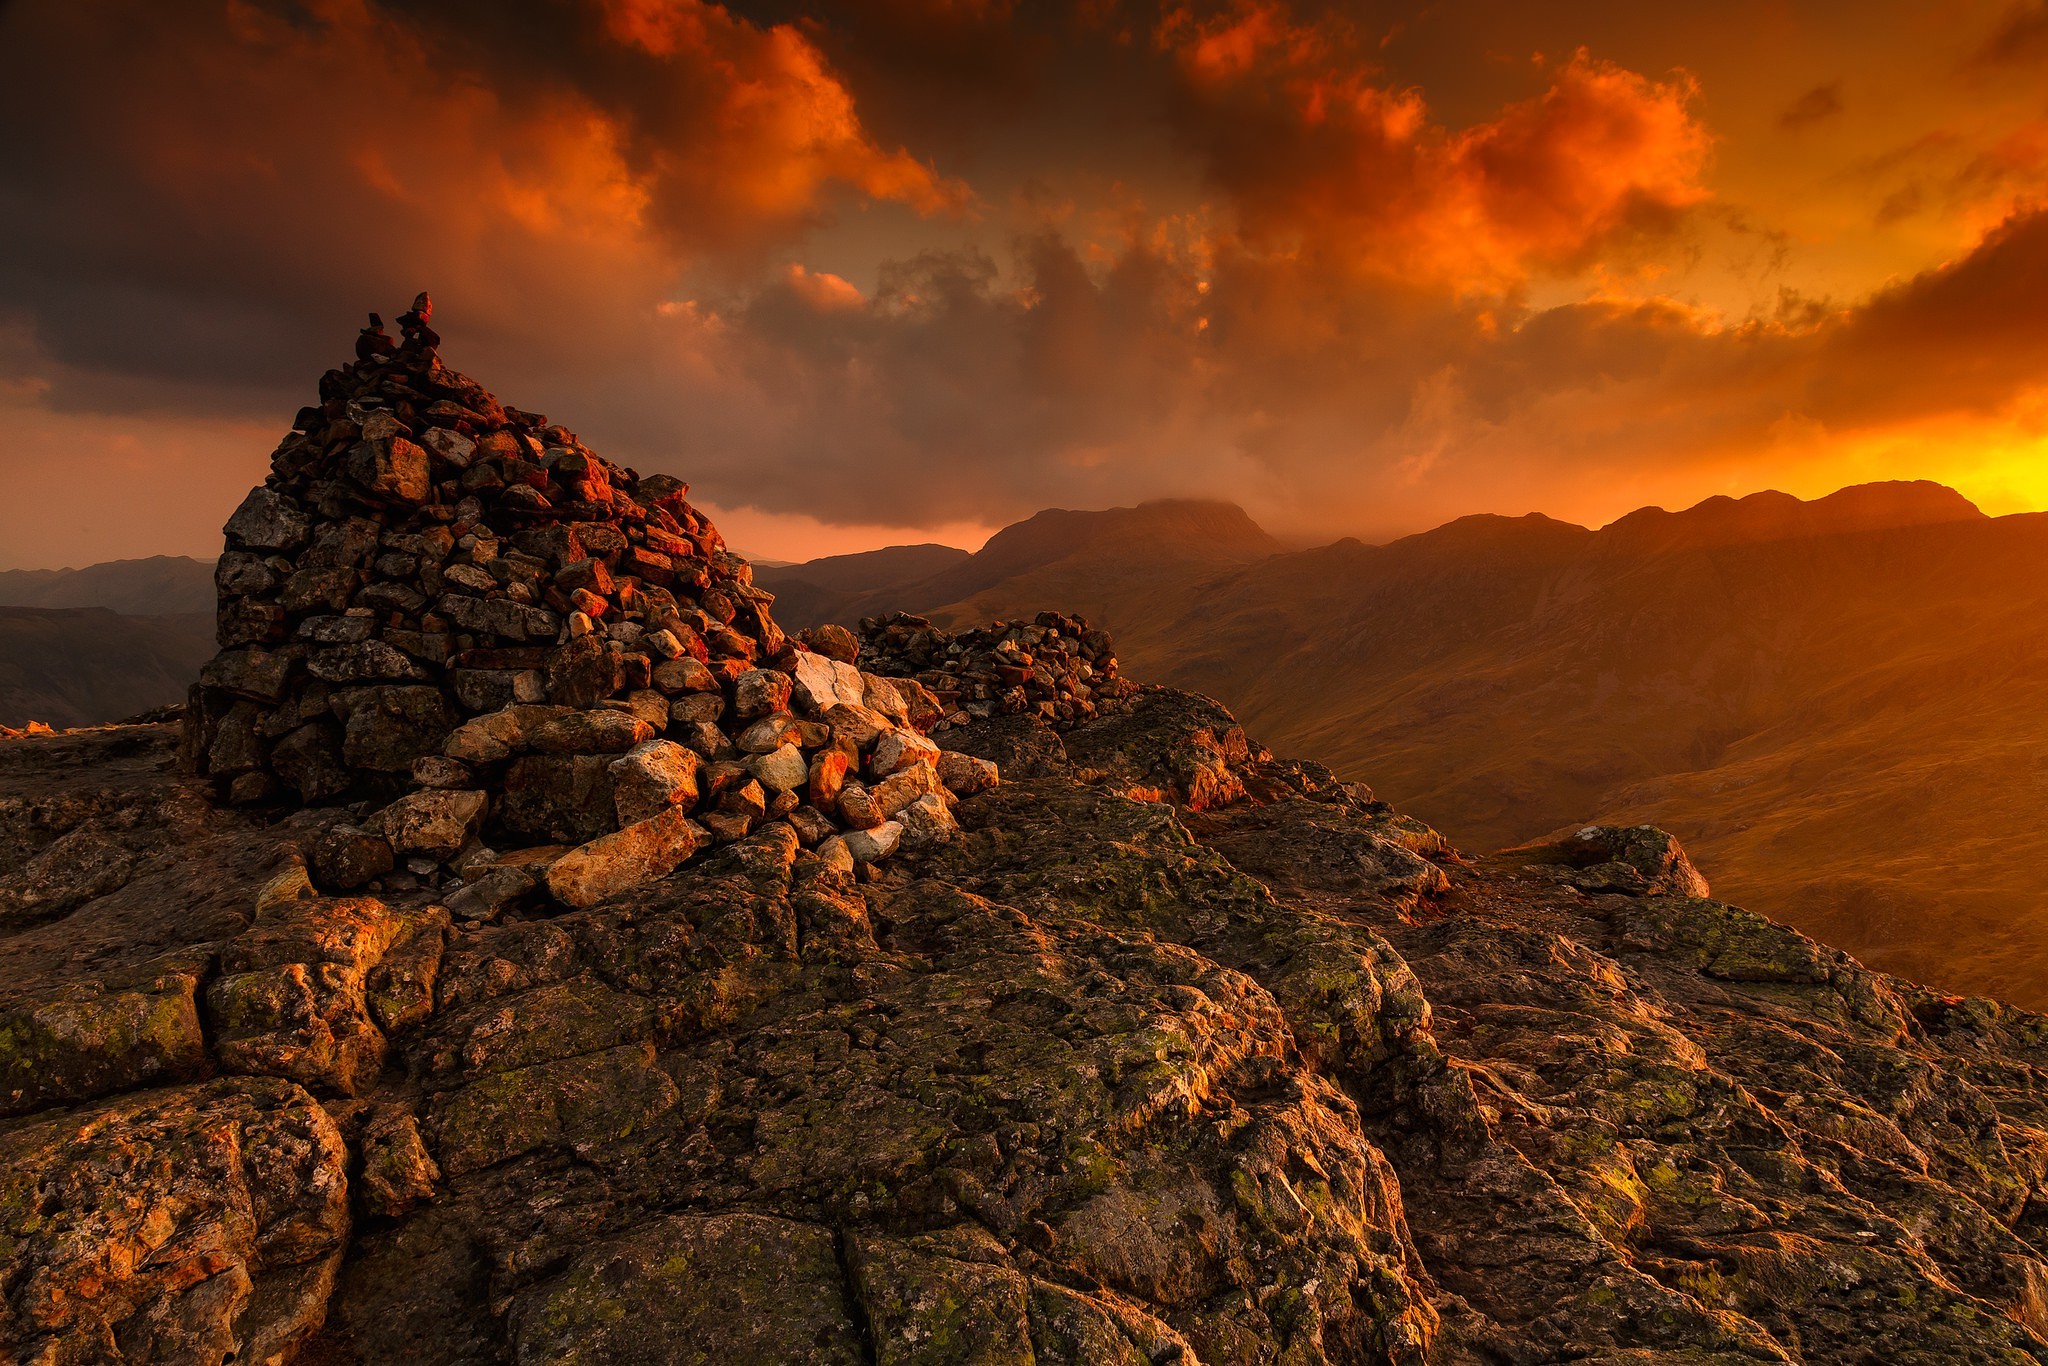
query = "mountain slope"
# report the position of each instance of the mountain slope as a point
(161, 585)
(1843, 718)
(81, 647)
(1841, 705)
(826, 589)
(85, 666)
(1128, 570)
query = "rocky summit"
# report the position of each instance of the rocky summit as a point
(524, 665)
(423, 998)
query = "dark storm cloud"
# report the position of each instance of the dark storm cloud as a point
(2021, 37)
(1821, 102)
(202, 195)
(1115, 250)
(951, 394)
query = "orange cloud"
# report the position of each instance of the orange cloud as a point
(773, 126)
(1603, 150)
(263, 172)
(1318, 153)
(1235, 255)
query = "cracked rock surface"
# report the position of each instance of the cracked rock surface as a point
(1172, 1052)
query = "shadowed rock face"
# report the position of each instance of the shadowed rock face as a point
(1174, 1053)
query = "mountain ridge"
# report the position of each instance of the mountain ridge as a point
(1508, 676)
(159, 585)
(1504, 677)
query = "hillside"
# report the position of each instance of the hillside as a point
(85, 666)
(81, 647)
(1128, 570)
(1838, 704)
(829, 589)
(162, 585)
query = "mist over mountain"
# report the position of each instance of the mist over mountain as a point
(1836, 703)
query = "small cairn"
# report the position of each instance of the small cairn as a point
(518, 664)
(1054, 666)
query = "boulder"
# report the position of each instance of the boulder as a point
(436, 822)
(822, 683)
(926, 822)
(389, 727)
(558, 798)
(833, 642)
(760, 692)
(81, 1040)
(857, 725)
(308, 759)
(964, 775)
(80, 865)
(826, 778)
(684, 675)
(267, 520)
(590, 732)
(488, 896)
(897, 750)
(612, 863)
(858, 809)
(652, 777)
(347, 857)
(905, 786)
(290, 1000)
(872, 846)
(780, 770)
(391, 468)
(398, 1173)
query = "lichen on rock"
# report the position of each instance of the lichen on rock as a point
(539, 961)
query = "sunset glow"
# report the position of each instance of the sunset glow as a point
(918, 268)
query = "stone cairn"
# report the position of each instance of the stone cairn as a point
(1053, 667)
(520, 665)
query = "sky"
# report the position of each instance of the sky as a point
(884, 271)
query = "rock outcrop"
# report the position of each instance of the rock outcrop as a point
(1104, 1078)
(1158, 1050)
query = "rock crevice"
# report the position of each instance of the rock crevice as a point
(541, 959)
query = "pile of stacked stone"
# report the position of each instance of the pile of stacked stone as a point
(518, 663)
(1054, 666)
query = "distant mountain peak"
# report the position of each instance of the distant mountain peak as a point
(1771, 515)
(1218, 525)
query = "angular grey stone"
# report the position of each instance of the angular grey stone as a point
(390, 727)
(267, 520)
(489, 895)
(372, 661)
(434, 822)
